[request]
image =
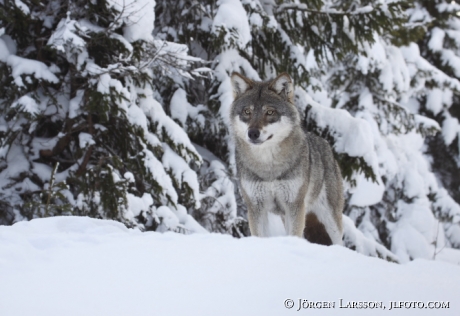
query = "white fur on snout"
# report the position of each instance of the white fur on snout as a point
(240, 128)
(278, 130)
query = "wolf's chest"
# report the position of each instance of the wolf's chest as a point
(273, 195)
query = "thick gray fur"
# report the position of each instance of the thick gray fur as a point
(286, 171)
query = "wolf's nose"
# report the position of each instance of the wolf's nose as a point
(253, 133)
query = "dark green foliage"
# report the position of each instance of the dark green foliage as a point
(51, 201)
(101, 151)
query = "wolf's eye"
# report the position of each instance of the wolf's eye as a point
(247, 111)
(270, 112)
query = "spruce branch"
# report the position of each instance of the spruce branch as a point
(305, 8)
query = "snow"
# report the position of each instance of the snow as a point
(23, 66)
(82, 266)
(437, 39)
(256, 20)
(453, 233)
(355, 239)
(366, 192)
(42, 171)
(449, 255)
(181, 171)
(27, 104)
(74, 104)
(155, 112)
(168, 219)
(434, 101)
(179, 106)
(138, 17)
(181, 109)
(353, 136)
(436, 44)
(154, 166)
(408, 243)
(218, 199)
(411, 54)
(448, 6)
(137, 205)
(65, 34)
(22, 6)
(85, 139)
(232, 16)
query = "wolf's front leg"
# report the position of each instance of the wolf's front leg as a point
(294, 219)
(258, 221)
(254, 195)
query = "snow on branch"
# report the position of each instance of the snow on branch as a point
(304, 7)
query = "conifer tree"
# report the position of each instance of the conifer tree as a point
(440, 47)
(83, 132)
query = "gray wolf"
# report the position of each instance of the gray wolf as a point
(281, 168)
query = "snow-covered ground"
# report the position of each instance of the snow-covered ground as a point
(80, 266)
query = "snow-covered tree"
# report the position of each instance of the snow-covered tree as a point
(358, 74)
(441, 48)
(83, 131)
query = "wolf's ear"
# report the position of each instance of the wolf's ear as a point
(240, 84)
(283, 86)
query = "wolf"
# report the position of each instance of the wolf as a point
(282, 168)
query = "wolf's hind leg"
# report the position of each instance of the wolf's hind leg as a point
(322, 226)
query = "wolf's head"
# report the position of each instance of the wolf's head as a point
(263, 112)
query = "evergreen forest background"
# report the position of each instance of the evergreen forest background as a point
(119, 110)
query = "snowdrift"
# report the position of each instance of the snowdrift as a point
(81, 266)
